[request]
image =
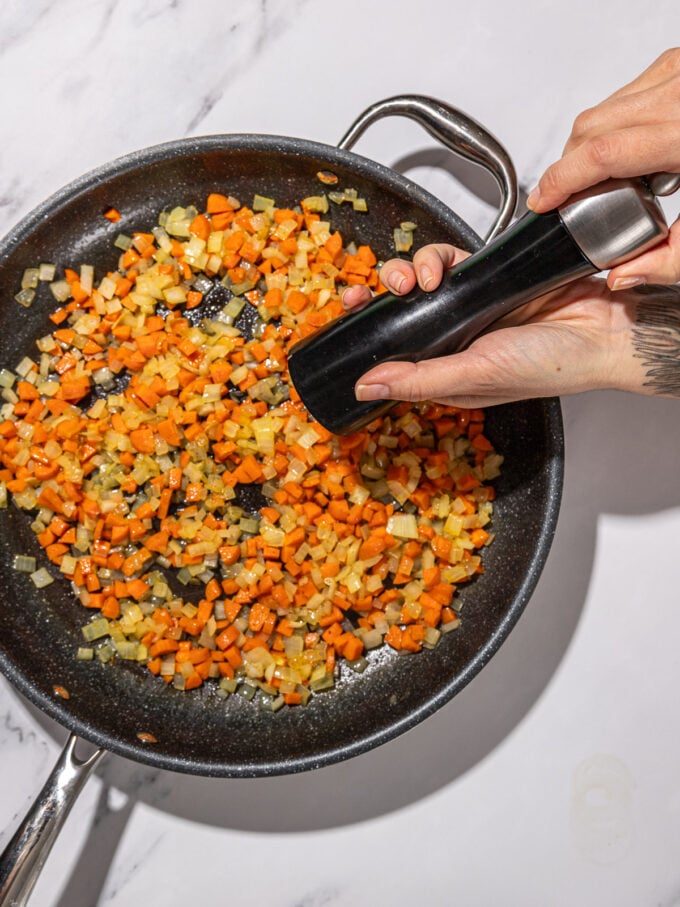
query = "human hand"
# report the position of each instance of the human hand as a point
(578, 338)
(636, 131)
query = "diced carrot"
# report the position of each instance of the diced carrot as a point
(200, 226)
(142, 440)
(217, 204)
(393, 637)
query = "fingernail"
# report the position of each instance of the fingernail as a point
(625, 283)
(396, 282)
(343, 300)
(426, 277)
(533, 197)
(372, 392)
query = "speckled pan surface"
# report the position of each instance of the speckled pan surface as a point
(197, 732)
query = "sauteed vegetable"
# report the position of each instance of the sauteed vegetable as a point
(177, 482)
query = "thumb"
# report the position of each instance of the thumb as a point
(660, 265)
(431, 379)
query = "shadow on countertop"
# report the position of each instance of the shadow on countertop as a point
(618, 461)
(472, 176)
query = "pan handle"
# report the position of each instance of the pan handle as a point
(24, 856)
(456, 131)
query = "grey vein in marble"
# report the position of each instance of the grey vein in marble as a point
(107, 15)
(17, 21)
(154, 11)
(12, 198)
(126, 875)
(13, 730)
(318, 898)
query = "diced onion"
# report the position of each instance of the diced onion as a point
(316, 203)
(24, 563)
(29, 280)
(453, 525)
(127, 649)
(451, 625)
(25, 297)
(96, 629)
(262, 203)
(25, 367)
(41, 578)
(46, 271)
(403, 526)
(122, 242)
(403, 240)
(60, 290)
(87, 278)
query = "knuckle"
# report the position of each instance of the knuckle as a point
(669, 61)
(426, 255)
(486, 373)
(584, 122)
(397, 264)
(445, 252)
(491, 370)
(420, 384)
(602, 149)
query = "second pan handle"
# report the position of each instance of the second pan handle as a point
(25, 855)
(456, 131)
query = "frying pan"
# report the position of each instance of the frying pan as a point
(198, 732)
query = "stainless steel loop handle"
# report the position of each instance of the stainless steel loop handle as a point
(664, 183)
(458, 132)
(25, 855)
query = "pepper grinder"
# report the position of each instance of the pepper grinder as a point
(593, 231)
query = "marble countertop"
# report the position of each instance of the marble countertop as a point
(553, 778)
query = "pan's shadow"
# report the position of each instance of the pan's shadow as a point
(621, 459)
(468, 175)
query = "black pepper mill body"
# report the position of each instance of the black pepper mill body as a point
(538, 253)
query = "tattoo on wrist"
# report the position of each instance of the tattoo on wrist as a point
(656, 338)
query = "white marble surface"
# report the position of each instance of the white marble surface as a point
(552, 779)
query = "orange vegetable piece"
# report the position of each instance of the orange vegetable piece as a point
(217, 204)
(142, 440)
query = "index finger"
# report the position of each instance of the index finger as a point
(664, 67)
(629, 152)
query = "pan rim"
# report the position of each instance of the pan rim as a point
(218, 141)
(554, 469)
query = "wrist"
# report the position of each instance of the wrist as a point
(647, 354)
